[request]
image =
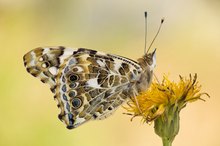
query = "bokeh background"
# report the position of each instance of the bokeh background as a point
(188, 43)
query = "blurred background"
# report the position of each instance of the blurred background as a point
(188, 43)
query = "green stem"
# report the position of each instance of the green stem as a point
(167, 142)
(167, 125)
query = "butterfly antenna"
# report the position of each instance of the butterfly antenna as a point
(161, 22)
(145, 34)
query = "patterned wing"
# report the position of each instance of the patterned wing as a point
(91, 85)
(44, 63)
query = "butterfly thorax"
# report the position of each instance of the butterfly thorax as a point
(148, 63)
(144, 81)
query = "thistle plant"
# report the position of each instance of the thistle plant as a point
(162, 103)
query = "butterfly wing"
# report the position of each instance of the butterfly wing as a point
(44, 63)
(90, 84)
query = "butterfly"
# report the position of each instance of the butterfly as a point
(88, 84)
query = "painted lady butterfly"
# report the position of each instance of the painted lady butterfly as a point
(88, 84)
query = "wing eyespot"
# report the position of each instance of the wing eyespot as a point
(72, 85)
(76, 103)
(72, 93)
(73, 77)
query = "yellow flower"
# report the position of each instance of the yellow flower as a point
(162, 104)
(152, 103)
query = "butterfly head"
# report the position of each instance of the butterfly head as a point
(151, 59)
(148, 62)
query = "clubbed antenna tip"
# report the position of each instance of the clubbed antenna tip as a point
(145, 44)
(162, 20)
(145, 14)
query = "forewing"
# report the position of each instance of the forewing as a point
(44, 63)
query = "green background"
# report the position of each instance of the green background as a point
(188, 43)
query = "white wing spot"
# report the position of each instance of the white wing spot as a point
(41, 59)
(100, 63)
(79, 121)
(67, 52)
(44, 65)
(117, 65)
(53, 70)
(46, 50)
(32, 63)
(93, 83)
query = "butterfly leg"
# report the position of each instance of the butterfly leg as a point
(136, 101)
